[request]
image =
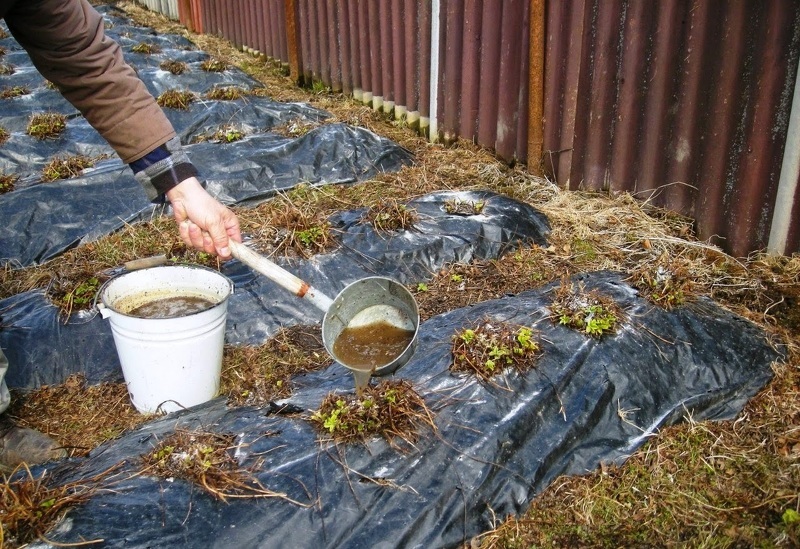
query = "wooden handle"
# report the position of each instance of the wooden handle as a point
(279, 275)
(275, 273)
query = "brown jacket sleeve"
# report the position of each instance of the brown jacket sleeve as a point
(66, 43)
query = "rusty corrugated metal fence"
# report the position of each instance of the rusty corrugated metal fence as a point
(686, 103)
(683, 103)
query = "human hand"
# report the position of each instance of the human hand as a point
(203, 222)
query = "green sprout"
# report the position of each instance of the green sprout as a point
(589, 312)
(489, 347)
(310, 236)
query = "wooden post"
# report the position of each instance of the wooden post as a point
(536, 87)
(293, 40)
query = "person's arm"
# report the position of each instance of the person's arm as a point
(67, 44)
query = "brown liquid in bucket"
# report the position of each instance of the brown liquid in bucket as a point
(171, 307)
(365, 348)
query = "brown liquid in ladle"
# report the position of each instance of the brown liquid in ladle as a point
(365, 348)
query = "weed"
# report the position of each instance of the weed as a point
(7, 182)
(64, 168)
(391, 215)
(14, 91)
(229, 93)
(228, 135)
(390, 409)
(71, 295)
(46, 125)
(311, 237)
(589, 312)
(319, 87)
(176, 99)
(175, 67)
(463, 207)
(422, 287)
(488, 349)
(584, 250)
(213, 65)
(146, 48)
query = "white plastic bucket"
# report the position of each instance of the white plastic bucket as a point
(168, 363)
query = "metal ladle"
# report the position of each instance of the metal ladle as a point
(365, 302)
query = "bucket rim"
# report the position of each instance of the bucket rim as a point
(100, 302)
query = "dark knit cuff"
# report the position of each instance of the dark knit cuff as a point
(169, 167)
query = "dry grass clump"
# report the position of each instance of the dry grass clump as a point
(214, 65)
(289, 226)
(30, 506)
(489, 348)
(587, 311)
(391, 216)
(259, 375)
(7, 181)
(3, 50)
(4, 135)
(391, 409)
(462, 284)
(146, 48)
(668, 284)
(206, 459)
(176, 99)
(46, 125)
(64, 168)
(6, 69)
(13, 91)
(79, 416)
(226, 93)
(175, 67)
(295, 128)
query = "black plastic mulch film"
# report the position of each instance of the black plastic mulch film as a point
(495, 445)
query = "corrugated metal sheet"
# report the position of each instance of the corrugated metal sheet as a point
(256, 26)
(166, 7)
(376, 50)
(683, 103)
(484, 74)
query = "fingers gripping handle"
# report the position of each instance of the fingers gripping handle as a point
(280, 276)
